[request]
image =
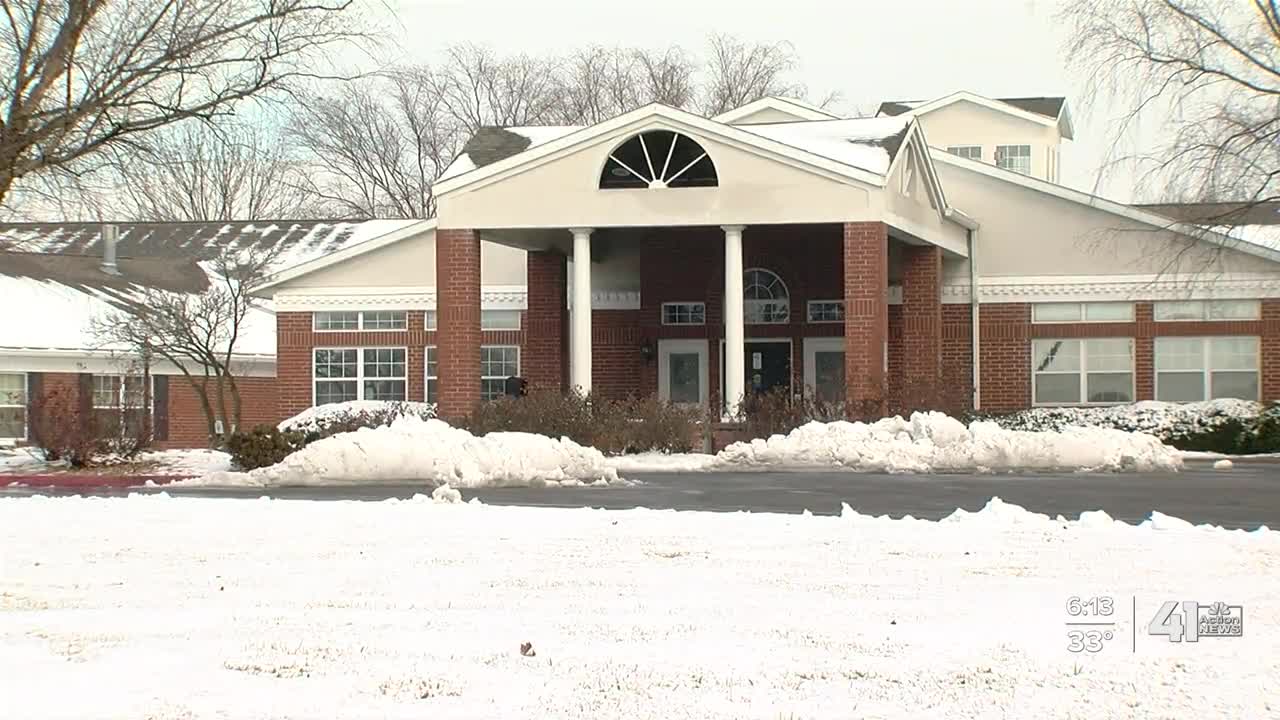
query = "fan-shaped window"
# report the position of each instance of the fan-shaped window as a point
(658, 159)
(767, 300)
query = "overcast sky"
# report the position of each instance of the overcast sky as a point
(868, 51)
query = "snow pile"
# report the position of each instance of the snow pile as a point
(1162, 419)
(930, 442)
(411, 449)
(319, 419)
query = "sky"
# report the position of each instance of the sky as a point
(868, 51)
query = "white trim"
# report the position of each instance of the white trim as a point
(1206, 372)
(800, 110)
(808, 311)
(1062, 121)
(1159, 222)
(813, 346)
(346, 253)
(791, 356)
(681, 346)
(426, 376)
(493, 297)
(1084, 372)
(359, 377)
(915, 142)
(108, 362)
(667, 118)
(1113, 288)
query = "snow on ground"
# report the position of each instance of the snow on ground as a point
(414, 450)
(186, 463)
(415, 609)
(1162, 419)
(18, 459)
(930, 442)
(317, 417)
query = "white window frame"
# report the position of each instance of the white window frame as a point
(483, 377)
(1206, 355)
(1003, 154)
(25, 405)
(1084, 313)
(701, 307)
(1160, 311)
(359, 376)
(360, 321)
(668, 347)
(427, 377)
(808, 312)
(1083, 373)
(750, 303)
(953, 149)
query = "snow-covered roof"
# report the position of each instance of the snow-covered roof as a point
(491, 144)
(1267, 236)
(866, 143)
(798, 109)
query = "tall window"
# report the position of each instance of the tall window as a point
(1082, 372)
(658, 159)
(1192, 369)
(767, 299)
(433, 375)
(497, 363)
(343, 374)
(1014, 157)
(968, 152)
(13, 406)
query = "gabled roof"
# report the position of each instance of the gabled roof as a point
(403, 231)
(1221, 236)
(832, 150)
(798, 108)
(1044, 110)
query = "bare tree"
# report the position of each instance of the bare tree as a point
(194, 171)
(479, 88)
(739, 72)
(1205, 74)
(197, 332)
(84, 75)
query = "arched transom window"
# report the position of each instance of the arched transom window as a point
(767, 299)
(658, 159)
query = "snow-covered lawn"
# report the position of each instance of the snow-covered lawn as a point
(171, 608)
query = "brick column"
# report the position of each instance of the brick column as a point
(546, 357)
(866, 316)
(458, 319)
(922, 328)
(1270, 350)
(1144, 380)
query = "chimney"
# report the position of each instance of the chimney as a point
(110, 234)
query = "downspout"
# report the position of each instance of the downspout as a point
(971, 231)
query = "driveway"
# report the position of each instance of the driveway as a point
(1245, 497)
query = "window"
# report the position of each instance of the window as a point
(429, 320)
(682, 371)
(1014, 157)
(826, 311)
(13, 406)
(1208, 310)
(343, 374)
(499, 319)
(497, 363)
(968, 152)
(346, 320)
(658, 159)
(767, 300)
(684, 313)
(119, 404)
(433, 374)
(1082, 312)
(1082, 372)
(1192, 369)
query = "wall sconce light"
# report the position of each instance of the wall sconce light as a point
(647, 351)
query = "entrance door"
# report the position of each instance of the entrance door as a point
(768, 366)
(682, 371)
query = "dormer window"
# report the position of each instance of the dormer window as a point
(658, 159)
(1014, 157)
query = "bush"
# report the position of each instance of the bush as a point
(325, 420)
(262, 446)
(611, 426)
(778, 412)
(63, 431)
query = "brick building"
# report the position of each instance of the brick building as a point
(923, 258)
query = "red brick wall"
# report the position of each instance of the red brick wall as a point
(866, 316)
(957, 357)
(546, 353)
(922, 327)
(458, 303)
(1271, 349)
(1005, 353)
(187, 427)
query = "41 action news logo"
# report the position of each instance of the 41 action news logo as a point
(1189, 621)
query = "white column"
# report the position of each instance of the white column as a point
(734, 333)
(580, 320)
